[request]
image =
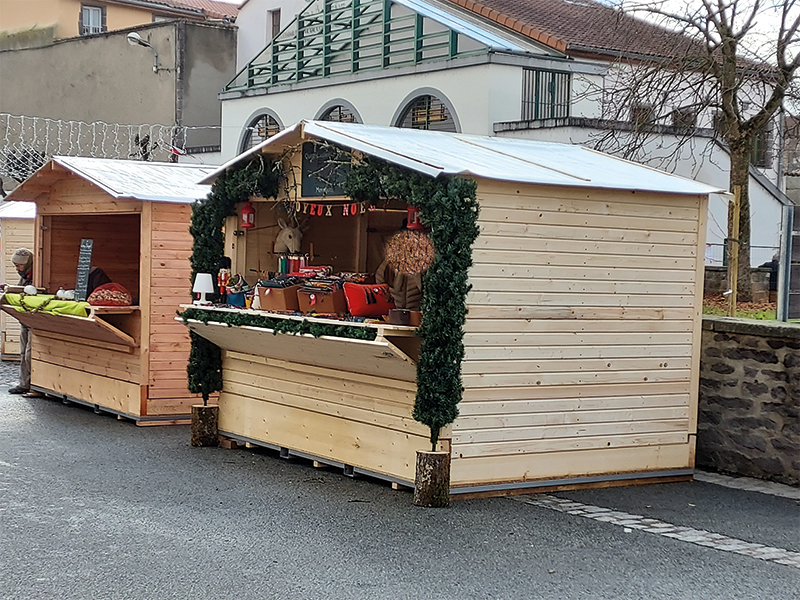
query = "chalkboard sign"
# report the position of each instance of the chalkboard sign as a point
(323, 172)
(84, 265)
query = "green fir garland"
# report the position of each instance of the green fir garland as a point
(449, 208)
(285, 326)
(259, 177)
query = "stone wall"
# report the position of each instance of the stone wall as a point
(716, 282)
(749, 404)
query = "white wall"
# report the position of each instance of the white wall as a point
(254, 24)
(475, 92)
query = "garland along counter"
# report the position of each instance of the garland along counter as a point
(560, 313)
(128, 360)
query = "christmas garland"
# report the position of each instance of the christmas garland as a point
(259, 177)
(285, 326)
(448, 207)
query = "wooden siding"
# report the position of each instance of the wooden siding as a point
(581, 335)
(166, 250)
(14, 233)
(93, 372)
(344, 417)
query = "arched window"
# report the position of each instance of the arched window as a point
(259, 130)
(428, 112)
(339, 114)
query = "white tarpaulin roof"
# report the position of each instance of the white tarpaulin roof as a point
(132, 179)
(17, 210)
(158, 182)
(525, 161)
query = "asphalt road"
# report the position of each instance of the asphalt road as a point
(92, 507)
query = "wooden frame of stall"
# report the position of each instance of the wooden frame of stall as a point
(581, 353)
(130, 361)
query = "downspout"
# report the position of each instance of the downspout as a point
(178, 135)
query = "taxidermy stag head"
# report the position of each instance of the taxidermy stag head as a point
(289, 238)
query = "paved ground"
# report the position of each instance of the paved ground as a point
(93, 508)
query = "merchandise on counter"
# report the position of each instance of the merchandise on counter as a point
(278, 299)
(369, 300)
(322, 295)
(110, 294)
(358, 277)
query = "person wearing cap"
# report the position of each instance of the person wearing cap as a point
(23, 262)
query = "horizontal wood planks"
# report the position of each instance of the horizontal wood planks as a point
(579, 342)
(169, 286)
(360, 420)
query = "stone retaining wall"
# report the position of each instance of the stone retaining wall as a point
(749, 405)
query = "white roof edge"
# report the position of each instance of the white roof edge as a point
(208, 179)
(509, 159)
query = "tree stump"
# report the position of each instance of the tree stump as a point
(204, 425)
(432, 481)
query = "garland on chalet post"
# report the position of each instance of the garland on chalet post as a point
(259, 177)
(448, 207)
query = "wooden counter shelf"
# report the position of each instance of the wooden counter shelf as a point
(91, 327)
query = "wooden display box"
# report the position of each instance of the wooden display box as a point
(317, 302)
(278, 299)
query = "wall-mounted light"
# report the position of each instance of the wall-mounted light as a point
(134, 39)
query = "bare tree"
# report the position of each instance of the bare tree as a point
(709, 74)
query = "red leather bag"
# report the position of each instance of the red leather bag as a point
(368, 300)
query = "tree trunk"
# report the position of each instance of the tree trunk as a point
(204, 425)
(432, 482)
(740, 175)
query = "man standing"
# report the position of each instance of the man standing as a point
(23, 262)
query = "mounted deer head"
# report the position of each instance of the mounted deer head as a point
(289, 238)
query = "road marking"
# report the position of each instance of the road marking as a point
(685, 534)
(750, 485)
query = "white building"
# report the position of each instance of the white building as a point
(542, 70)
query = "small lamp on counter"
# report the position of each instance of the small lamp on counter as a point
(203, 284)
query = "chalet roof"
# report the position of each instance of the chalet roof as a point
(122, 179)
(581, 26)
(437, 153)
(17, 210)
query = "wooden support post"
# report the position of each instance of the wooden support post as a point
(204, 425)
(432, 481)
(733, 252)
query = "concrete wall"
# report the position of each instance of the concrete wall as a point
(97, 78)
(749, 404)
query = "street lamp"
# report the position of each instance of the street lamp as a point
(134, 39)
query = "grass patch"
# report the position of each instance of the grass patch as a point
(761, 311)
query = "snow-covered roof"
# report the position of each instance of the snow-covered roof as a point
(130, 179)
(524, 161)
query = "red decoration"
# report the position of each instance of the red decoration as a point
(248, 220)
(413, 218)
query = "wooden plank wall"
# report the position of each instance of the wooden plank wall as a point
(100, 373)
(77, 209)
(359, 420)
(14, 233)
(167, 247)
(581, 336)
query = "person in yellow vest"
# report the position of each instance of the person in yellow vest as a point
(23, 262)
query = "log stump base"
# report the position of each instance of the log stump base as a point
(204, 425)
(432, 480)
